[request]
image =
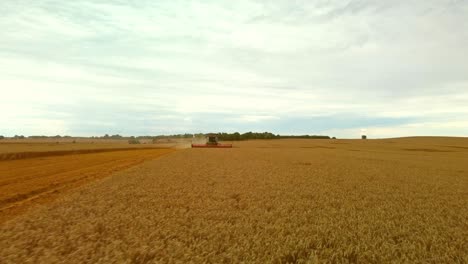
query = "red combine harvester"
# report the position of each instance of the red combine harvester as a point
(212, 142)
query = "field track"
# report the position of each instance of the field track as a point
(26, 182)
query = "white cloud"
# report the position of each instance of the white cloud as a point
(248, 61)
(255, 118)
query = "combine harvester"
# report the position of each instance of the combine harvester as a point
(212, 142)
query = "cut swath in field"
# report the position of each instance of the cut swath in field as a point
(26, 181)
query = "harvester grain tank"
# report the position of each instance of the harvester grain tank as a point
(212, 142)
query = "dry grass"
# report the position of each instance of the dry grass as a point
(287, 201)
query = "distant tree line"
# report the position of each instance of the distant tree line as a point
(264, 135)
(221, 136)
(42, 137)
(186, 135)
(116, 136)
(236, 136)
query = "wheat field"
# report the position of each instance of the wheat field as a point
(279, 201)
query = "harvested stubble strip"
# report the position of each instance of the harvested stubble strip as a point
(27, 182)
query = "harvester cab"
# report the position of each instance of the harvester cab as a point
(212, 139)
(211, 142)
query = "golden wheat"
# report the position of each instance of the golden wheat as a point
(287, 201)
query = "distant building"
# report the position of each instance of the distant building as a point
(364, 137)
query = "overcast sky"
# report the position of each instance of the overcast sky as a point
(90, 67)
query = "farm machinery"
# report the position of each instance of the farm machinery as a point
(211, 142)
